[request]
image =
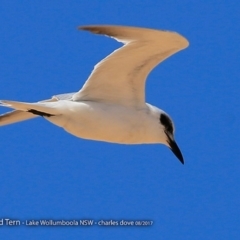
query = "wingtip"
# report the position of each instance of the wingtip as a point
(186, 42)
(128, 31)
(181, 40)
(90, 28)
(82, 27)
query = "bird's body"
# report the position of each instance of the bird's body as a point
(110, 122)
(111, 105)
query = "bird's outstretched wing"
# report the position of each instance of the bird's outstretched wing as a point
(120, 77)
(15, 116)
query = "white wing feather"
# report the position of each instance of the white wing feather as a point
(120, 77)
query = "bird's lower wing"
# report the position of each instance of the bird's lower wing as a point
(21, 115)
(15, 116)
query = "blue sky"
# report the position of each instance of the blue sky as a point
(45, 173)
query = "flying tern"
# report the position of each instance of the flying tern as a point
(111, 104)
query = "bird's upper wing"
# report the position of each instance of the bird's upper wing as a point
(120, 77)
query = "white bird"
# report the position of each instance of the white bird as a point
(111, 105)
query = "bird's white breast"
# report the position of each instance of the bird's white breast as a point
(110, 123)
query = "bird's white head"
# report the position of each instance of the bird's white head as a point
(168, 129)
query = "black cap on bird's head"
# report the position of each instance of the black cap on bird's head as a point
(168, 130)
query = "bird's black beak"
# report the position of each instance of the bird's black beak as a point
(175, 149)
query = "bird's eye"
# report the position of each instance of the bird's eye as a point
(166, 122)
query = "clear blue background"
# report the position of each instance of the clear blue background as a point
(45, 173)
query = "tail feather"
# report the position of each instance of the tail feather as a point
(46, 108)
(18, 115)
